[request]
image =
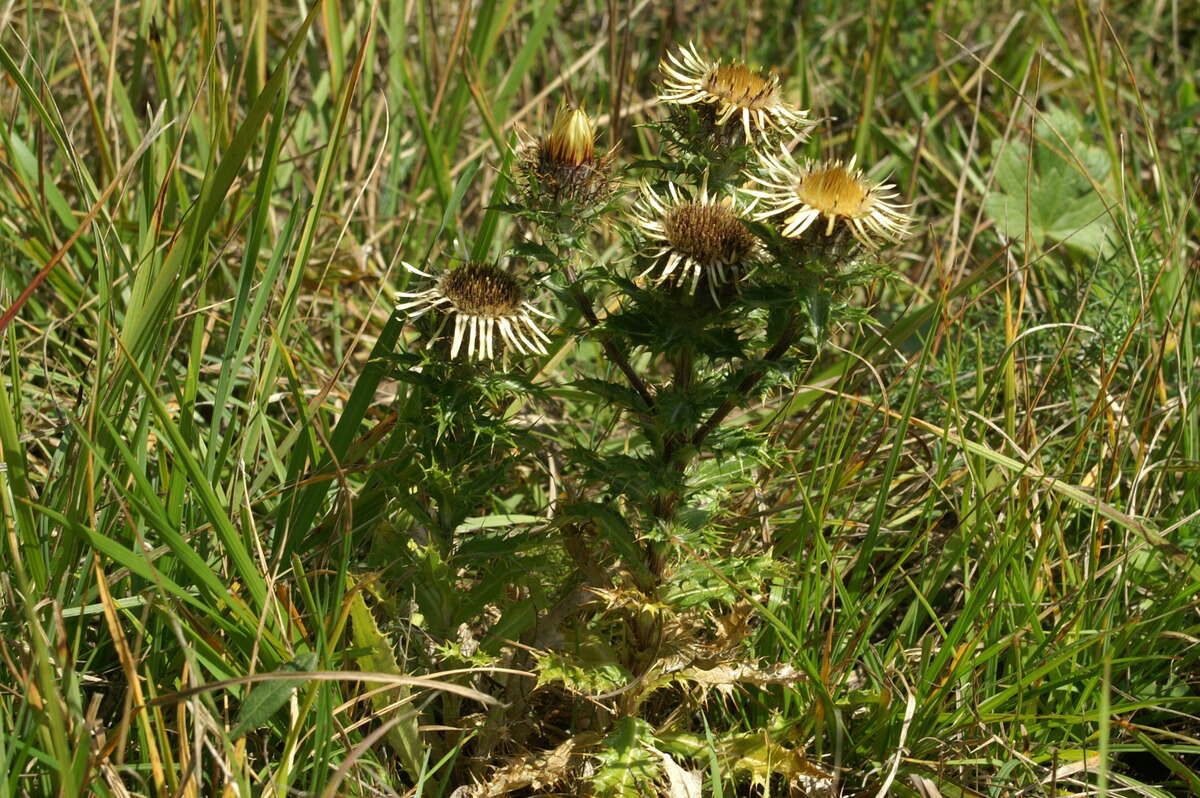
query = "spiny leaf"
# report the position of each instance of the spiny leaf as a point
(403, 738)
(627, 768)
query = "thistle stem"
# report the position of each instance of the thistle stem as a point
(610, 349)
(748, 383)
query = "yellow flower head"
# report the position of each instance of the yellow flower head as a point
(564, 168)
(735, 90)
(829, 190)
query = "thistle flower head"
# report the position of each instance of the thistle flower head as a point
(484, 300)
(563, 169)
(734, 90)
(693, 235)
(572, 139)
(830, 190)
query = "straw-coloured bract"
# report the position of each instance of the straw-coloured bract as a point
(734, 89)
(563, 171)
(690, 235)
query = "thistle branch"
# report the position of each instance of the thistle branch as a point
(610, 349)
(750, 381)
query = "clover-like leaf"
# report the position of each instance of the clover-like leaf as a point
(1052, 194)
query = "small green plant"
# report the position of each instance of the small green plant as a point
(1053, 187)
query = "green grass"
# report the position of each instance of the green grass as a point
(976, 542)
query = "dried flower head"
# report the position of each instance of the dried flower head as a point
(563, 168)
(833, 190)
(695, 235)
(572, 140)
(484, 300)
(734, 89)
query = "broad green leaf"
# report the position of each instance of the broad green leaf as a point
(269, 697)
(593, 669)
(757, 754)
(1049, 190)
(627, 768)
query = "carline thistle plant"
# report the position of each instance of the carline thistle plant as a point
(752, 223)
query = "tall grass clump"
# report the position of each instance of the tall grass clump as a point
(616, 399)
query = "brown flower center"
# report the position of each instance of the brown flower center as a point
(833, 190)
(708, 233)
(737, 84)
(481, 289)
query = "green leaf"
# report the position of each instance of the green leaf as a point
(1052, 191)
(1169, 761)
(269, 697)
(496, 522)
(403, 738)
(758, 754)
(531, 250)
(610, 523)
(627, 769)
(205, 494)
(593, 669)
(612, 393)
